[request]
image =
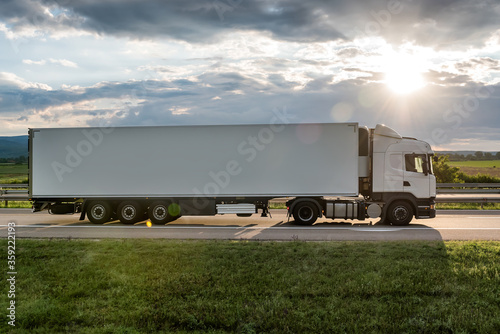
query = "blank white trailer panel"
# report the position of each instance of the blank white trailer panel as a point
(189, 161)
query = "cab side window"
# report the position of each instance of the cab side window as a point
(414, 163)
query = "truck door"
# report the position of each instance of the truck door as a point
(393, 178)
(416, 175)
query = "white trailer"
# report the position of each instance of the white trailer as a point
(161, 173)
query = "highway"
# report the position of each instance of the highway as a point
(448, 225)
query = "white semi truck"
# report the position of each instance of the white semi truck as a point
(339, 171)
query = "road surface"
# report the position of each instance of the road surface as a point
(448, 225)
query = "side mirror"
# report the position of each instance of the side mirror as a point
(426, 167)
(435, 158)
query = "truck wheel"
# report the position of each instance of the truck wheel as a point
(129, 212)
(158, 213)
(400, 213)
(305, 213)
(99, 212)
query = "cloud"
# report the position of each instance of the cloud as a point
(27, 18)
(62, 62)
(428, 22)
(34, 62)
(444, 78)
(10, 80)
(234, 98)
(225, 61)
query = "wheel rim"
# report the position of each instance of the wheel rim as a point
(129, 212)
(400, 213)
(305, 213)
(98, 211)
(160, 212)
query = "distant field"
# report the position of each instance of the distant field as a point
(482, 164)
(13, 169)
(490, 167)
(13, 174)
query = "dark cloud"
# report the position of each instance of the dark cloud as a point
(20, 14)
(428, 22)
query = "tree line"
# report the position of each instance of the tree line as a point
(477, 156)
(18, 161)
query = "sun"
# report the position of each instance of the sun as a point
(403, 75)
(404, 81)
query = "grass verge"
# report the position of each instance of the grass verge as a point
(468, 206)
(16, 204)
(137, 286)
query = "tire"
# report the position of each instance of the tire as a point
(305, 213)
(99, 212)
(158, 213)
(400, 213)
(129, 212)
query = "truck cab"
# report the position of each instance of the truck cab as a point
(402, 176)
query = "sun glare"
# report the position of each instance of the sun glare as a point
(402, 74)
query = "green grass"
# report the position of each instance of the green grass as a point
(145, 286)
(467, 206)
(16, 204)
(274, 205)
(13, 174)
(483, 164)
(13, 169)
(13, 178)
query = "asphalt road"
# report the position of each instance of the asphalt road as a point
(448, 225)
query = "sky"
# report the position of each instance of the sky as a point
(429, 69)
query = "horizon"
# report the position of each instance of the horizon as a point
(429, 70)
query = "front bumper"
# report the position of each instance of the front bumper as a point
(427, 210)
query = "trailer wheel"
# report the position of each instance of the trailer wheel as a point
(99, 212)
(129, 212)
(158, 213)
(400, 213)
(305, 213)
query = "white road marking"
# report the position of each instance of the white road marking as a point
(485, 217)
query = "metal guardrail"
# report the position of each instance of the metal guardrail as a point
(481, 193)
(13, 192)
(447, 192)
(14, 185)
(468, 188)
